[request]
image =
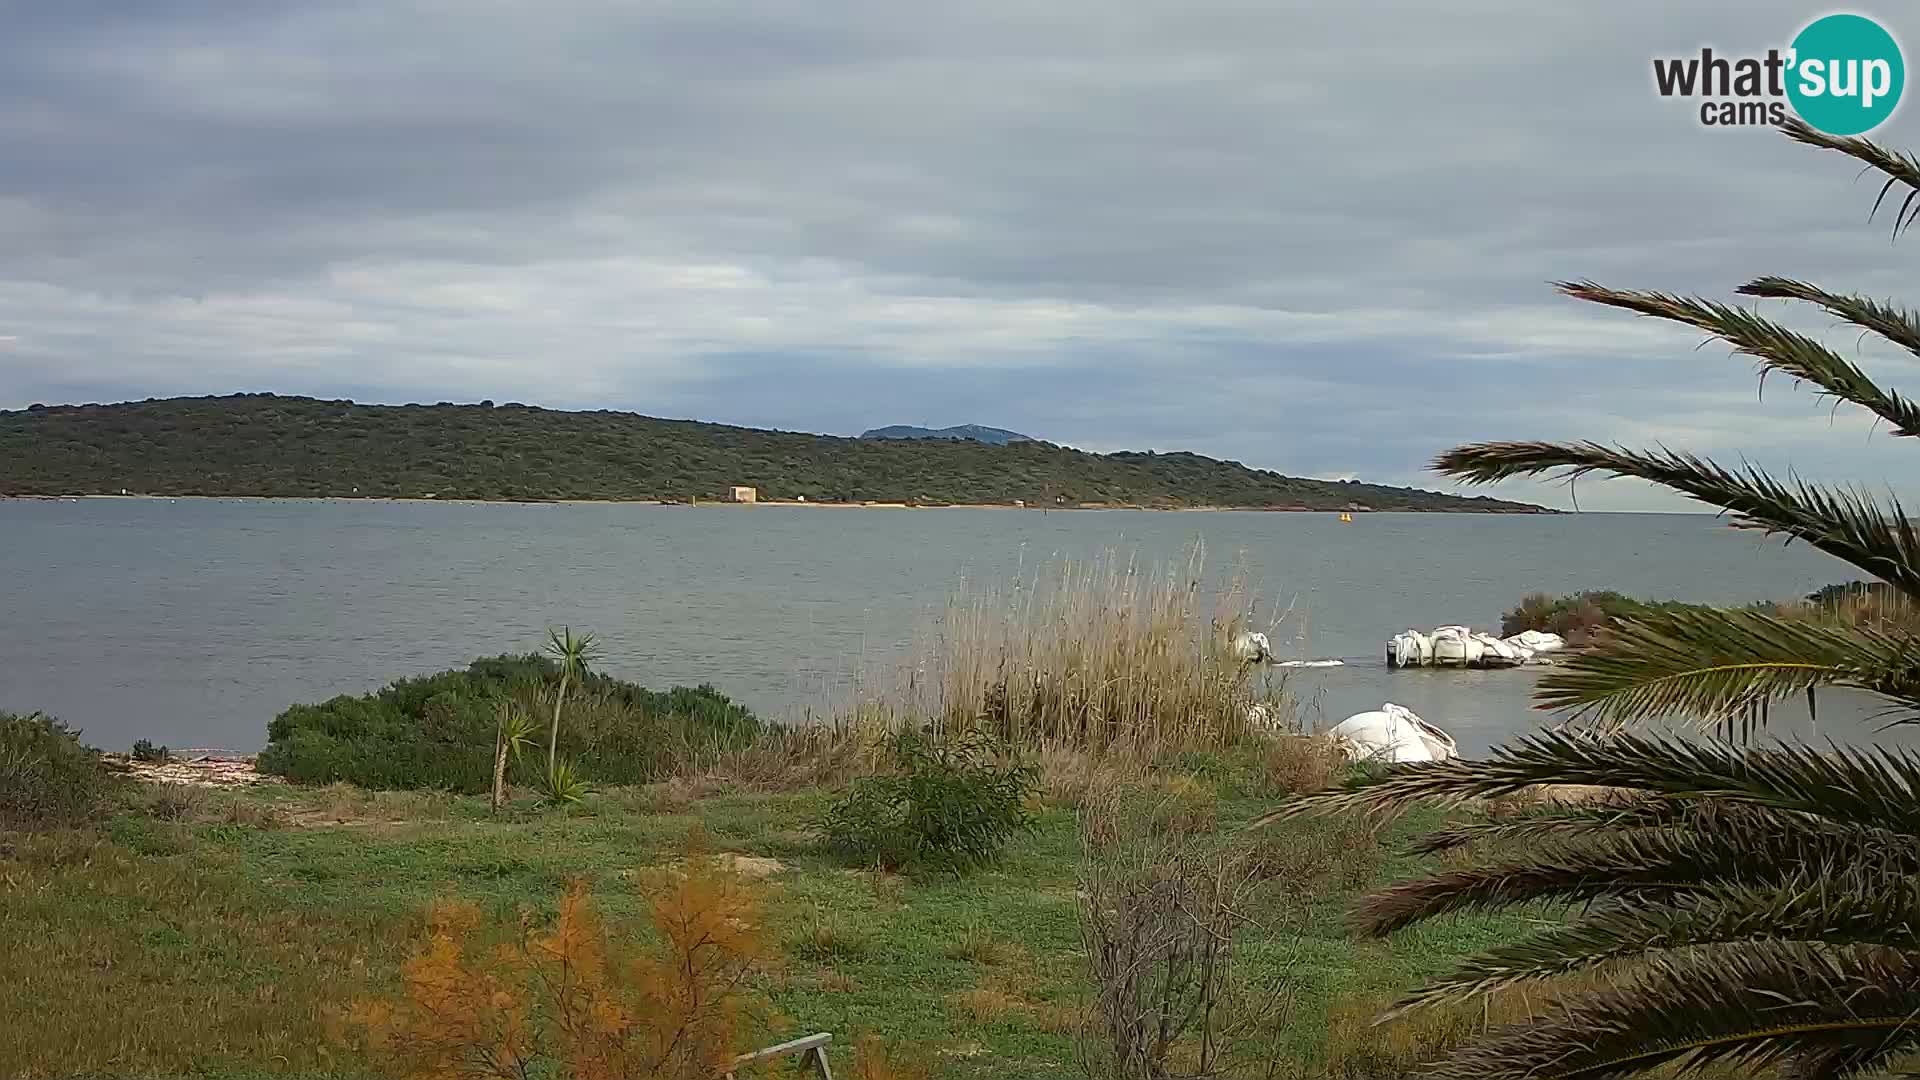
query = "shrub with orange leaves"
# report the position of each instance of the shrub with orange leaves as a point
(563, 1001)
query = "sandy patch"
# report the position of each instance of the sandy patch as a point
(1575, 794)
(752, 867)
(197, 768)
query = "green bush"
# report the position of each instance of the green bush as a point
(950, 804)
(1577, 616)
(47, 775)
(144, 750)
(437, 731)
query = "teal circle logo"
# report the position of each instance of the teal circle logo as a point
(1846, 74)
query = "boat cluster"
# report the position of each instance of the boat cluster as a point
(1458, 646)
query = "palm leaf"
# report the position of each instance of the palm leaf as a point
(1833, 1012)
(1776, 347)
(1896, 324)
(1711, 664)
(1828, 903)
(1842, 523)
(1899, 168)
(1625, 810)
(1873, 787)
(1648, 865)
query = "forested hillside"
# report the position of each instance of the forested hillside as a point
(266, 445)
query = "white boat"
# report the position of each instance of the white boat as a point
(1538, 641)
(1460, 646)
(1495, 652)
(1410, 649)
(1455, 646)
(1392, 733)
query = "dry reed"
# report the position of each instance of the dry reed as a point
(1102, 654)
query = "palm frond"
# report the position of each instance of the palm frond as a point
(1628, 810)
(1774, 346)
(1842, 523)
(1711, 664)
(1896, 324)
(1899, 168)
(1825, 902)
(1730, 846)
(1875, 787)
(1835, 1011)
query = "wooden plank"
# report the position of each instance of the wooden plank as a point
(813, 1046)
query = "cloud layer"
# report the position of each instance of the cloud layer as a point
(1315, 240)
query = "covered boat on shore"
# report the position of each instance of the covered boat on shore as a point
(1392, 733)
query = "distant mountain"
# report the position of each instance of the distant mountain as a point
(264, 445)
(992, 436)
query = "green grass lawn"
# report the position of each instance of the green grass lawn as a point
(220, 943)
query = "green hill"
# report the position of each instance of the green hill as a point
(265, 445)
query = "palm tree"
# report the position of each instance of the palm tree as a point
(1744, 905)
(574, 654)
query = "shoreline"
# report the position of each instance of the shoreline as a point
(412, 499)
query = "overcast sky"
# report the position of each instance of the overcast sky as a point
(1312, 237)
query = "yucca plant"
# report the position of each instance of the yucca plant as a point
(1741, 905)
(564, 784)
(574, 654)
(513, 731)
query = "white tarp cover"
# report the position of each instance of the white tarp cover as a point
(1458, 646)
(1392, 733)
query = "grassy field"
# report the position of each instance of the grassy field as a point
(216, 933)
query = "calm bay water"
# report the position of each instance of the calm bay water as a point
(193, 622)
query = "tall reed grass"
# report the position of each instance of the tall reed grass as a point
(1874, 606)
(1098, 654)
(1083, 659)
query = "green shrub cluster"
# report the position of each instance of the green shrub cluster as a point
(437, 731)
(47, 775)
(950, 803)
(144, 750)
(1577, 616)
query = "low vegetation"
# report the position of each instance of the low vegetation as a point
(950, 803)
(573, 998)
(257, 931)
(1578, 617)
(441, 731)
(265, 445)
(1166, 920)
(48, 777)
(145, 751)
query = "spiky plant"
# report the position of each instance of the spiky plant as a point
(1752, 906)
(573, 654)
(1741, 905)
(563, 784)
(513, 730)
